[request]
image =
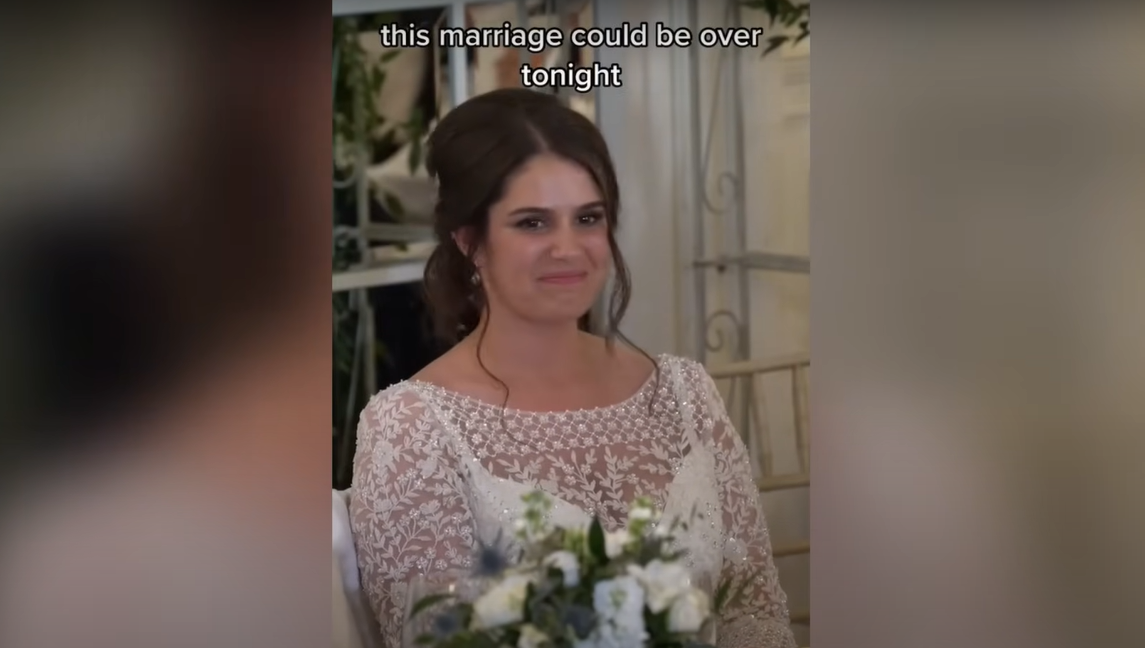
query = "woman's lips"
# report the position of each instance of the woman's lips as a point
(564, 278)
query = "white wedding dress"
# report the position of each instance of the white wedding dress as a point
(437, 471)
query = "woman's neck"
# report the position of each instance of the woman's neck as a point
(512, 349)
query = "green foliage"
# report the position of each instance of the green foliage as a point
(786, 14)
(428, 602)
(359, 78)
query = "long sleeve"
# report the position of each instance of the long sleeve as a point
(408, 509)
(759, 618)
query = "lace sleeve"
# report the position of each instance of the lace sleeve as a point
(408, 509)
(759, 618)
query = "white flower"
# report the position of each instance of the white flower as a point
(641, 513)
(689, 611)
(615, 541)
(531, 637)
(566, 562)
(662, 581)
(503, 604)
(619, 604)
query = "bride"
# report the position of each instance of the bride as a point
(526, 214)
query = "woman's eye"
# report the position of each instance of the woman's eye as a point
(591, 219)
(530, 223)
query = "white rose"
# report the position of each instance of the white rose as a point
(615, 541)
(503, 604)
(531, 637)
(566, 562)
(619, 603)
(689, 611)
(641, 513)
(662, 582)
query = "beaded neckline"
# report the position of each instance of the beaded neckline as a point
(636, 396)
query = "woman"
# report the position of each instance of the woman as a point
(527, 398)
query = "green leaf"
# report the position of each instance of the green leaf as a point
(596, 543)
(377, 80)
(786, 13)
(428, 602)
(656, 623)
(804, 32)
(393, 205)
(771, 7)
(415, 152)
(773, 44)
(470, 640)
(465, 612)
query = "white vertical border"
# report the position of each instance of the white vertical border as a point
(689, 311)
(458, 66)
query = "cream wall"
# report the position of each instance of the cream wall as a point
(647, 124)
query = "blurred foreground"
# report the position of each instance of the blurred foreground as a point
(164, 344)
(978, 317)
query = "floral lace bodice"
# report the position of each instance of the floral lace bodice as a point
(437, 471)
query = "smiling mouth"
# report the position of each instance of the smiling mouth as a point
(564, 279)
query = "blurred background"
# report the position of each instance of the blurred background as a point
(712, 148)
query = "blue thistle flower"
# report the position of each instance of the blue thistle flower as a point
(580, 619)
(492, 559)
(447, 624)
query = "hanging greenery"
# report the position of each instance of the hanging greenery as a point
(358, 80)
(788, 15)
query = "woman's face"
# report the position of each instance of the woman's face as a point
(546, 257)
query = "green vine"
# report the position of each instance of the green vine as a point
(359, 77)
(358, 80)
(787, 14)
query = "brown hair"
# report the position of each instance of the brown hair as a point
(471, 153)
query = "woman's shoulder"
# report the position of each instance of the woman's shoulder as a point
(398, 410)
(690, 372)
(403, 394)
(681, 362)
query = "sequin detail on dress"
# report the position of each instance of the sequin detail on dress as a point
(437, 471)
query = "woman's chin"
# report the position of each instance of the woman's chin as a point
(560, 318)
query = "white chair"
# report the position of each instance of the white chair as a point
(364, 632)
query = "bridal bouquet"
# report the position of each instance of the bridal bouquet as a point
(577, 588)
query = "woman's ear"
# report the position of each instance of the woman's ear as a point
(464, 239)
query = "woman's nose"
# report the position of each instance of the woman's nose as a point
(566, 242)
